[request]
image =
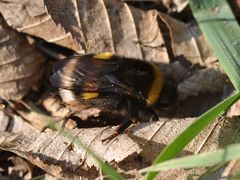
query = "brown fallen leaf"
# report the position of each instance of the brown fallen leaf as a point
(174, 5)
(92, 24)
(4, 121)
(31, 17)
(15, 124)
(202, 81)
(58, 155)
(169, 6)
(21, 66)
(188, 46)
(186, 40)
(218, 134)
(150, 36)
(234, 111)
(179, 5)
(115, 26)
(55, 106)
(104, 25)
(140, 35)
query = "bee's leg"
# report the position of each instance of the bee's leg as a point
(131, 118)
(124, 125)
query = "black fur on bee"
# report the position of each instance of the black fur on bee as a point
(125, 89)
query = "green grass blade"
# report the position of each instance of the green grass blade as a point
(229, 153)
(192, 131)
(222, 31)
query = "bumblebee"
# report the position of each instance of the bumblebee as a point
(126, 90)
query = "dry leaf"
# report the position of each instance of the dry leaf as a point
(175, 5)
(4, 120)
(112, 26)
(31, 17)
(218, 134)
(99, 26)
(15, 124)
(138, 34)
(56, 154)
(202, 81)
(234, 110)
(55, 107)
(187, 42)
(105, 25)
(150, 36)
(59, 156)
(20, 64)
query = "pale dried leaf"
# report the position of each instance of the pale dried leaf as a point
(182, 41)
(37, 120)
(218, 134)
(180, 5)
(104, 25)
(55, 107)
(31, 17)
(101, 26)
(131, 30)
(188, 44)
(4, 120)
(156, 135)
(125, 36)
(15, 124)
(208, 58)
(174, 5)
(114, 26)
(150, 36)
(234, 110)
(55, 153)
(20, 125)
(95, 26)
(20, 64)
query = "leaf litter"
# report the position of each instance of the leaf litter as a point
(93, 27)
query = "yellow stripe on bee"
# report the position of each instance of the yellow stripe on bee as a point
(105, 55)
(156, 87)
(89, 95)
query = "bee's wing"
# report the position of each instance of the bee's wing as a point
(90, 75)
